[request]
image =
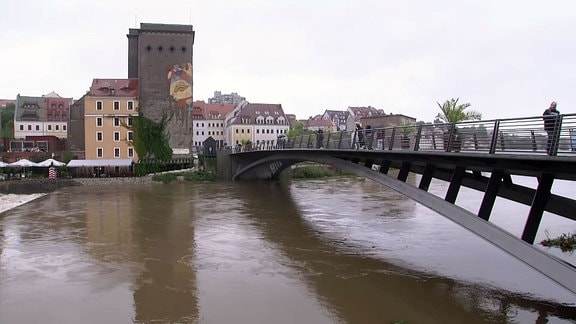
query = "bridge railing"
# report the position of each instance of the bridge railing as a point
(515, 135)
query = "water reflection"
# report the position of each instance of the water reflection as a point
(165, 287)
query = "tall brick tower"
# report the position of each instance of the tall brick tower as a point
(160, 56)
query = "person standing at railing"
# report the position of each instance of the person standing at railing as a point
(368, 133)
(551, 118)
(360, 134)
(320, 138)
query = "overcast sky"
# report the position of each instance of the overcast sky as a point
(507, 58)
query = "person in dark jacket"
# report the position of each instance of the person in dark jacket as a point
(320, 138)
(551, 118)
(368, 136)
(360, 134)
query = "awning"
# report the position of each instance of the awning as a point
(99, 163)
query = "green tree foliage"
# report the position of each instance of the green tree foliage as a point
(7, 118)
(150, 138)
(452, 112)
(298, 129)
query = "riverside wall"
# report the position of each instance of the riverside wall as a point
(32, 186)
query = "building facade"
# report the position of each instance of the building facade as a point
(256, 125)
(41, 116)
(109, 109)
(210, 123)
(231, 98)
(160, 57)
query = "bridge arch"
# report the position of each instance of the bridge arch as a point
(270, 164)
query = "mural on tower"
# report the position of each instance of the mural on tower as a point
(180, 80)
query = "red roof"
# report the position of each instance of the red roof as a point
(213, 110)
(114, 87)
(319, 123)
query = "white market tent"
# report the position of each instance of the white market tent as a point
(24, 163)
(101, 167)
(51, 162)
(100, 163)
(3, 164)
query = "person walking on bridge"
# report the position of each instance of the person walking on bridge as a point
(551, 118)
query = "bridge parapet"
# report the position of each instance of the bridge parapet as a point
(510, 136)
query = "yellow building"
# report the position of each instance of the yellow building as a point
(109, 108)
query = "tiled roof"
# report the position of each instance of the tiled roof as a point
(114, 87)
(52, 95)
(213, 110)
(250, 111)
(369, 111)
(319, 123)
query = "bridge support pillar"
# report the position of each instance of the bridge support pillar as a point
(537, 209)
(427, 177)
(455, 184)
(490, 194)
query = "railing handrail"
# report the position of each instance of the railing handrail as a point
(507, 135)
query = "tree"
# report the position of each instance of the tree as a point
(150, 139)
(298, 129)
(452, 112)
(7, 121)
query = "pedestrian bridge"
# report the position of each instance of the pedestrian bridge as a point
(482, 155)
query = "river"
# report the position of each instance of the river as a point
(339, 250)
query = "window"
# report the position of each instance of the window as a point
(63, 127)
(116, 105)
(37, 127)
(129, 121)
(21, 127)
(29, 127)
(99, 152)
(116, 152)
(130, 105)
(99, 136)
(99, 105)
(49, 127)
(57, 127)
(116, 136)
(130, 135)
(99, 121)
(116, 121)
(130, 152)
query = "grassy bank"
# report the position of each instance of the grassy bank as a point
(192, 176)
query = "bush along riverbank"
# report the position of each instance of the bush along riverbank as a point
(316, 172)
(192, 176)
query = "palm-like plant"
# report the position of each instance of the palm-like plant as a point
(452, 112)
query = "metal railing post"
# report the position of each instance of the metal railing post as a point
(494, 137)
(556, 136)
(417, 139)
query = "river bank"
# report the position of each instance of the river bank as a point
(16, 193)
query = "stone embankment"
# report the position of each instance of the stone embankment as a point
(32, 186)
